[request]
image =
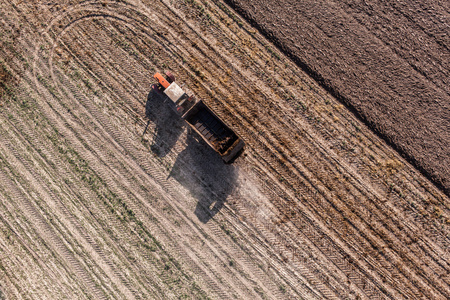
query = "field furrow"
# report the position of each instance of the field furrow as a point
(106, 193)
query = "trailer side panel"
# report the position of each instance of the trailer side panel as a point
(217, 134)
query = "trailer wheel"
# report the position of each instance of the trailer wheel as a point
(170, 77)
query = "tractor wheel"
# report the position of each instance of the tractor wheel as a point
(157, 88)
(170, 77)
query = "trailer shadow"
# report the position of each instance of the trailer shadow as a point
(169, 126)
(200, 169)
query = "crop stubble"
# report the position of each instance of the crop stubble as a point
(319, 207)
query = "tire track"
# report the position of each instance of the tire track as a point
(123, 142)
(238, 77)
(46, 232)
(269, 143)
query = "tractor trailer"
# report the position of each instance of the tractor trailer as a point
(201, 119)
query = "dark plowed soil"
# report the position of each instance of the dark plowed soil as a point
(388, 61)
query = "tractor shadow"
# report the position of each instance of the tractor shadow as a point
(169, 125)
(198, 167)
(201, 170)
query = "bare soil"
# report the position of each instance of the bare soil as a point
(389, 62)
(106, 194)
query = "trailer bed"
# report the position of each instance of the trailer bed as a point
(214, 131)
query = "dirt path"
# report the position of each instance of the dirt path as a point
(106, 194)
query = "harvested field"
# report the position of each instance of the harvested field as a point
(388, 61)
(105, 193)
